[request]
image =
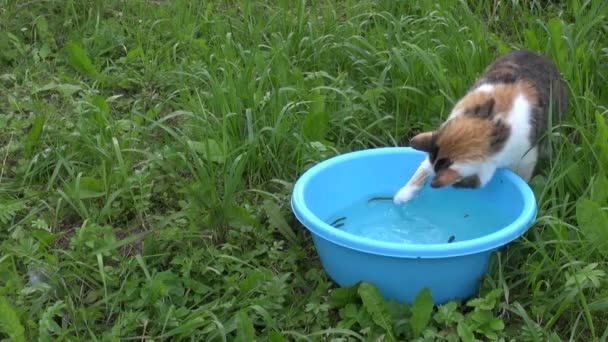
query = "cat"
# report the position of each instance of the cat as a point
(498, 123)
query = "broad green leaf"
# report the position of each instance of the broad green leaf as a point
(531, 40)
(9, 322)
(503, 47)
(274, 336)
(377, 308)
(398, 310)
(253, 280)
(317, 103)
(599, 190)
(316, 123)
(342, 296)
(601, 139)
(209, 149)
(42, 27)
(422, 308)
(134, 54)
(464, 331)
(244, 328)
(33, 137)
(87, 187)
(487, 302)
(8, 210)
(47, 327)
(482, 316)
(556, 28)
(114, 245)
(448, 313)
(101, 103)
(185, 328)
(497, 324)
(315, 126)
(277, 221)
(239, 217)
(77, 57)
(593, 222)
(65, 88)
(599, 305)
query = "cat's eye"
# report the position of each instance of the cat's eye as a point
(442, 163)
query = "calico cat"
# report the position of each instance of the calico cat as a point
(498, 123)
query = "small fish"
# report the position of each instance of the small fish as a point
(380, 198)
(466, 215)
(451, 239)
(339, 225)
(337, 221)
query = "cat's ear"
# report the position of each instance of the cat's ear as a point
(423, 141)
(445, 178)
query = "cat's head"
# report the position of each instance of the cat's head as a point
(461, 148)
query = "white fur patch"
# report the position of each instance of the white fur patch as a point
(415, 184)
(518, 143)
(406, 194)
(488, 88)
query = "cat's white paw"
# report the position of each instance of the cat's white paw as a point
(406, 194)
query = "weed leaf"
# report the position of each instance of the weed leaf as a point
(101, 103)
(253, 280)
(209, 149)
(87, 187)
(64, 88)
(244, 328)
(599, 190)
(185, 328)
(134, 54)
(532, 40)
(275, 337)
(342, 296)
(9, 322)
(448, 313)
(47, 326)
(464, 331)
(34, 135)
(277, 221)
(601, 139)
(8, 210)
(593, 222)
(79, 60)
(556, 28)
(316, 126)
(316, 123)
(422, 308)
(376, 306)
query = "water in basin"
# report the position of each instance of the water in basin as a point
(424, 220)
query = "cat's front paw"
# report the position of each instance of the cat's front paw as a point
(406, 194)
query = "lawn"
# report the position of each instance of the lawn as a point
(149, 149)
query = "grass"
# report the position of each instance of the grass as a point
(148, 152)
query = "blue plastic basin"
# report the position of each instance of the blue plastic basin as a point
(452, 271)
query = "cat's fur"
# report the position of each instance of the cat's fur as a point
(499, 123)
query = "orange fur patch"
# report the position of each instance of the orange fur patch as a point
(503, 95)
(445, 178)
(465, 138)
(529, 91)
(419, 178)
